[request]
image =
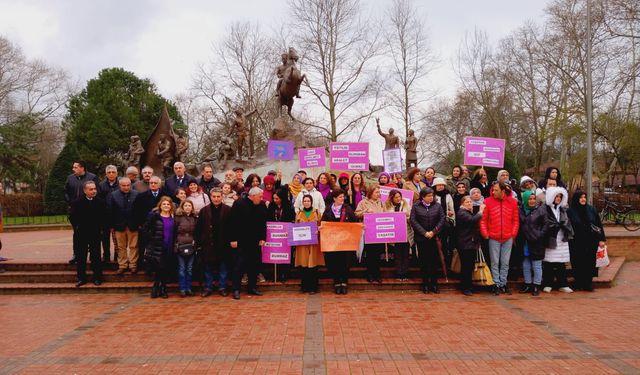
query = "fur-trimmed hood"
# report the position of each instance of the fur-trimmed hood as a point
(551, 195)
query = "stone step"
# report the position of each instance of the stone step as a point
(53, 281)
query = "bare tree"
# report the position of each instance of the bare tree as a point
(338, 48)
(241, 75)
(407, 44)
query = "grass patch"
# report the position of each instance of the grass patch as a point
(35, 220)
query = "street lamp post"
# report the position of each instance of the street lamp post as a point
(589, 100)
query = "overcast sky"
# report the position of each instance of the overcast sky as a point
(164, 40)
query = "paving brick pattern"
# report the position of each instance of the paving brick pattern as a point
(364, 332)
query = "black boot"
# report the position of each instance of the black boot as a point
(536, 290)
(154, 290)
(338, 288)
(163, 291)
(526, 288)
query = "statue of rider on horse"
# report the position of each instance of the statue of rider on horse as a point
(289, 81)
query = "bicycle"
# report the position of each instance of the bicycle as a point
(616, 213)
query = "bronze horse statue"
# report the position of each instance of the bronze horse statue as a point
(289, 89)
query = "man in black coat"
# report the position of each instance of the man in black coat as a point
(73, 188)
(88, 216)
(213, 243)
(179, 180)
(247, 233)
(106, 187)
(124, 221)
(207, 181)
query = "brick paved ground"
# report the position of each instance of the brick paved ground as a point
(383, 332)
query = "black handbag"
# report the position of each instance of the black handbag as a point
(185, 249)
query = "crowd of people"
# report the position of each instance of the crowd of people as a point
(175, 226)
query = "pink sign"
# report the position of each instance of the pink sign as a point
(276, 250)
(486, 152)
(312, 157)
(349, 156)
(387, 227)
(407, 195)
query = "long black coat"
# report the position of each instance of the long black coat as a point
(154, 235)
(212, 233)
(88, 217)
(247, 223)
(468, 230)
(584, 239)
(533, 231)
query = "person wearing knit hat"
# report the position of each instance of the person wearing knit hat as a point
(269, 188)
(343, 181)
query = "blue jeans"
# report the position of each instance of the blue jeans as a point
(500, 254)
(185, 272)
(223, 275)
(529, 265)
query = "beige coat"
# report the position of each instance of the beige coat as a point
(309, 255)
(368, 206)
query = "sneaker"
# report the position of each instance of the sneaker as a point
(566, 289)
(495, 290)
(261, 278)
(546, 289)
(467, 292)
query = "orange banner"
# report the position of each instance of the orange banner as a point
(336, 236)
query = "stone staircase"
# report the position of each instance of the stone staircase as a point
(49, 278)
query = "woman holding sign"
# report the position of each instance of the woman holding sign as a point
(309, 257)
(280, 210)
(338, 261)
(372, 205)
(395, 203)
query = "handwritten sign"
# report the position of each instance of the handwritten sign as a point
(385, 227)
(349, 156)
(303, 234)
(312, 157)
(487, 152)
(276, 249)
(392, 160)
(280, 150)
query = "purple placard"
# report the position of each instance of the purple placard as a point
(349, 156)
(276, 250)
(407, 195)
(303, 234)
(312, 157)
(280, 150)
(387, 227)
(487, 152)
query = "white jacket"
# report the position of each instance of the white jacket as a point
(318, 201)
